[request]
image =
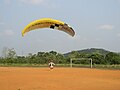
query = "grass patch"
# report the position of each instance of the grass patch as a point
(99, 66)
(107, 66)
(23, 65)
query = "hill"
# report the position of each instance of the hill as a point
(91, 51)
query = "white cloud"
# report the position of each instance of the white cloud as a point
(106, 27)
(1, 23)
(118, 1)
(8, 33)
(32, 1)
(118, 34)
(7, 1)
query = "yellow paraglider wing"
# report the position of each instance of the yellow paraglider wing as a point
(48, 23)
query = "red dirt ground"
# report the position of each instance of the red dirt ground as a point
(23, 78)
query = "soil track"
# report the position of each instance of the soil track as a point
(22, 78)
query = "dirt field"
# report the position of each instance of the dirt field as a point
(14, 78)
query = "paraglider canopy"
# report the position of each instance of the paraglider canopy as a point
(48, 23)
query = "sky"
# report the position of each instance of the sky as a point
(96, 24)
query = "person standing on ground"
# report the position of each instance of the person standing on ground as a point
(51, 64)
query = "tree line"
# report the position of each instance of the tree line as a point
(10, 57)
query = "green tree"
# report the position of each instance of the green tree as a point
(97, 58)
(113, 58)
(11, 53)
(74, 54)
